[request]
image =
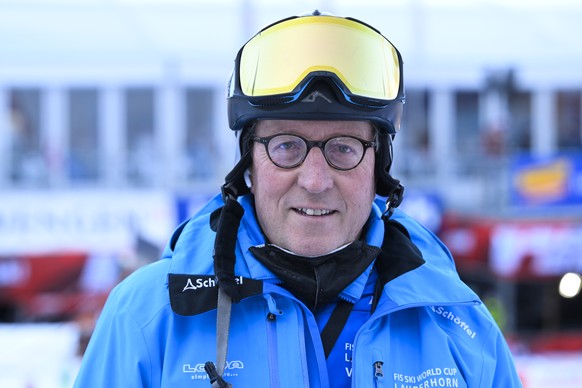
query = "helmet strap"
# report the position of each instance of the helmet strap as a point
(234, 184)
(394, 198)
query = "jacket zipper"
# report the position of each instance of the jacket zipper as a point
(272, 341)
(378, 362)
(306, 326)
(378, 374)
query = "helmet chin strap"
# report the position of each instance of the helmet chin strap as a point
(386, 185)
(234, 183)
(394, 197)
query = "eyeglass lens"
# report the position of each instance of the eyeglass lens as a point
(343, 153)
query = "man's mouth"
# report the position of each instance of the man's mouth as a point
(313, 212)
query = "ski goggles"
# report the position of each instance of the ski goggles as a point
(283, 57)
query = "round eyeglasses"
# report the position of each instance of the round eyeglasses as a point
(289, 151)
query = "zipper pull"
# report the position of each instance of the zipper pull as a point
(272, 306)
(378, 369)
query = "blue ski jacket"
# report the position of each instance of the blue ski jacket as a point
(428, 329)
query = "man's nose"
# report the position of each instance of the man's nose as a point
(315, 173)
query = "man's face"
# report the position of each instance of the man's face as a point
(312, 209)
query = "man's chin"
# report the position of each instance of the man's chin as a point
(311, 247)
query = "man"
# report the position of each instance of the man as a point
(299, 274)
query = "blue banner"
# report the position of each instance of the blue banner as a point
(546, 181)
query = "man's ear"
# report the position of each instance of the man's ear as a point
(249, 179)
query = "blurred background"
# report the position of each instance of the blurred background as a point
(113, 130)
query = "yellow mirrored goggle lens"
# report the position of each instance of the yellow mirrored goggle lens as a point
(277, 59)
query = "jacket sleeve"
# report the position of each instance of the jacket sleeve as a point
(499, 368)
(117, 355)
